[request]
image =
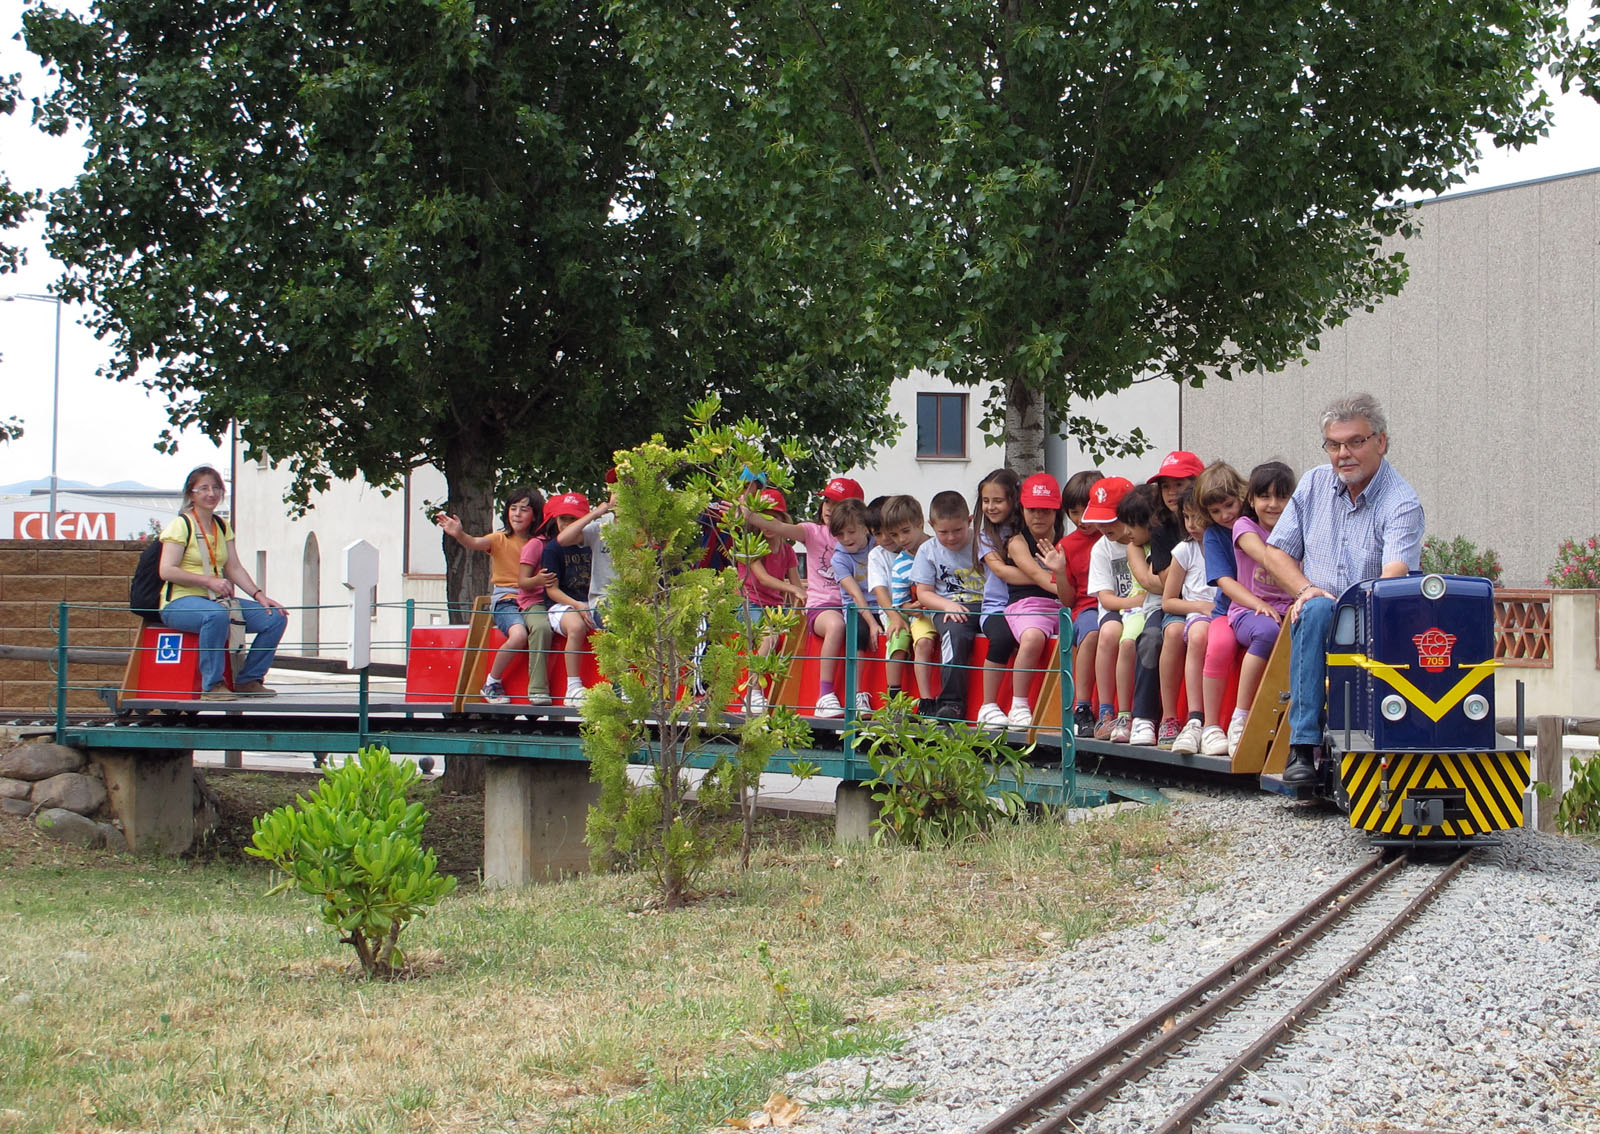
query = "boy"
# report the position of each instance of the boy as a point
(848, 525)
(1070, 564)
(902, 528)
(1157, 692)
(950, 584)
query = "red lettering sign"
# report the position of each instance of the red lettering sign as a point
(69, 525)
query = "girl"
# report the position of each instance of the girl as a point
(824, 604)
(1033, 614)
(518, 516)
(1220, 492)
(771, 581)
(1187, 595)
(571, 565)
(202, 572)
(1257, 618)
(999, 516)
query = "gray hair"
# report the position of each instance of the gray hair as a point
(1352, 406)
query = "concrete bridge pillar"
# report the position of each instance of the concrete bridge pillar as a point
(152, 793)
(534, 813)
(853, 813)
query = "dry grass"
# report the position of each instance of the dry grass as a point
(173, 996)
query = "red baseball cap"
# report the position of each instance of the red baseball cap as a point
(775, 498)
(572, 504)
(611, 476)
(1104, 497)
(1178, 464)
(1041, 490)
(843, 488)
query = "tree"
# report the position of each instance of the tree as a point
(14, 206)
(378, 236)
(1056, 199)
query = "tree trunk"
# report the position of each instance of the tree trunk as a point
(469, 476)
(1024, 428)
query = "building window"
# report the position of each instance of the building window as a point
(942, 425)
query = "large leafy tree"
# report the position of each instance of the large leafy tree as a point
(14, 206)
(1053, 199)
(379, 235)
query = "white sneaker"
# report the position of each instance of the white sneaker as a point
(1213, 741)
(575, 694)
(494, 693)
(755, 702)
(1020, 717)
(1188, 739)
(828, 706)
(1121, 729)
(1235, 734)
(1143, 733)
(991, 715)
(863, 702)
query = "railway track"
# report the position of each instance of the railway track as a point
(1189, 1051)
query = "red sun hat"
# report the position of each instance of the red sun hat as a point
(1041, 490)
(1104, 497)
(775, 498)
(843, 488)
(1178, 464)
(572, 504)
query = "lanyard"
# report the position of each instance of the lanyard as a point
(211, 550)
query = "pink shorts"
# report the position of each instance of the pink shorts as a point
(1037, 613)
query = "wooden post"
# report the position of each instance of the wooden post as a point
(1549, 770)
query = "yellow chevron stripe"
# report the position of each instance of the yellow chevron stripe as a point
(1493, 782)
(1434, 710)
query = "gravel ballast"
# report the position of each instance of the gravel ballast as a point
(1483, 1015)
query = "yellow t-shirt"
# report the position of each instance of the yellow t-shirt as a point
(196, 557)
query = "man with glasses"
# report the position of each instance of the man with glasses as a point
(1350, 520)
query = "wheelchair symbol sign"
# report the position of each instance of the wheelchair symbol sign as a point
(168, 647)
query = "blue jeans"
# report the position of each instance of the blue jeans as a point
(1308, 671)
(209, 619)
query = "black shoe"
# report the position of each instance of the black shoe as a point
(1083, 722)
(927, 707)
(950, 711)
(1302, 765)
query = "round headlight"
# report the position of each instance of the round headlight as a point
(1476, 707)
(1433, 586)
(1393, 707)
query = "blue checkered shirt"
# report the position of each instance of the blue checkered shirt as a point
(1339, 542)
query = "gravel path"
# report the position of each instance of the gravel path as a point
(1483, 1015)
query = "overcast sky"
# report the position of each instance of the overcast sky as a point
(108, 430)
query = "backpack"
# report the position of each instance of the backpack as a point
(144, 591)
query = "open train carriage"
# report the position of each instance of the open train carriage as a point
(1411, 733)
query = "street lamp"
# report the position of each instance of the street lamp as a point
(55, 400)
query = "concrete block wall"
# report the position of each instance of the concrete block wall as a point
(35, 577)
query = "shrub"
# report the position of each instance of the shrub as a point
(936, 782)
(356, 843)
(1577, 565)
(1579, 810)
(1460, 556)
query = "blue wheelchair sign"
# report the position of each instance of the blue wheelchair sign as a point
(168, 648)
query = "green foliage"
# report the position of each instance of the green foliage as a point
(1054, 200)
(794, 1005)
(1577, 565)
(935, 782)
(657, 699)
(1460, 556)
(356, 843)
(1578, 813)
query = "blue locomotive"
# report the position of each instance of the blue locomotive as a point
(1411, 751)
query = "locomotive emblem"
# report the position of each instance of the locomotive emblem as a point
(1433, 649)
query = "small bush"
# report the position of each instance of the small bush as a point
(1579, 810)
(1577, 565)
(356, 843)
(1460, 556)
(934, 782)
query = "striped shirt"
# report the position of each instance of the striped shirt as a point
(1340, 542)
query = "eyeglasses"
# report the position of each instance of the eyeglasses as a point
(1354, 445)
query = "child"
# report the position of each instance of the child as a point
(999, 503)
(880, 589)
(1257, 619)
(1112, 584)
(1140, 627)
(1033, 614)
(590, 530)
(518, 517)
(573, 564)
(1153, 694)
(1188, 596)
(950, 584)
(850, 527)
(1221, 493)
(771, 581)
(1069, 563)
(824, 604)
(531, 577)
(903, 529)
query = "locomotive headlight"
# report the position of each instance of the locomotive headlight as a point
(1476, 707)
(1393, 707)
(1433, 586)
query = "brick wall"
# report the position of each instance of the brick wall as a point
(35, 577)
